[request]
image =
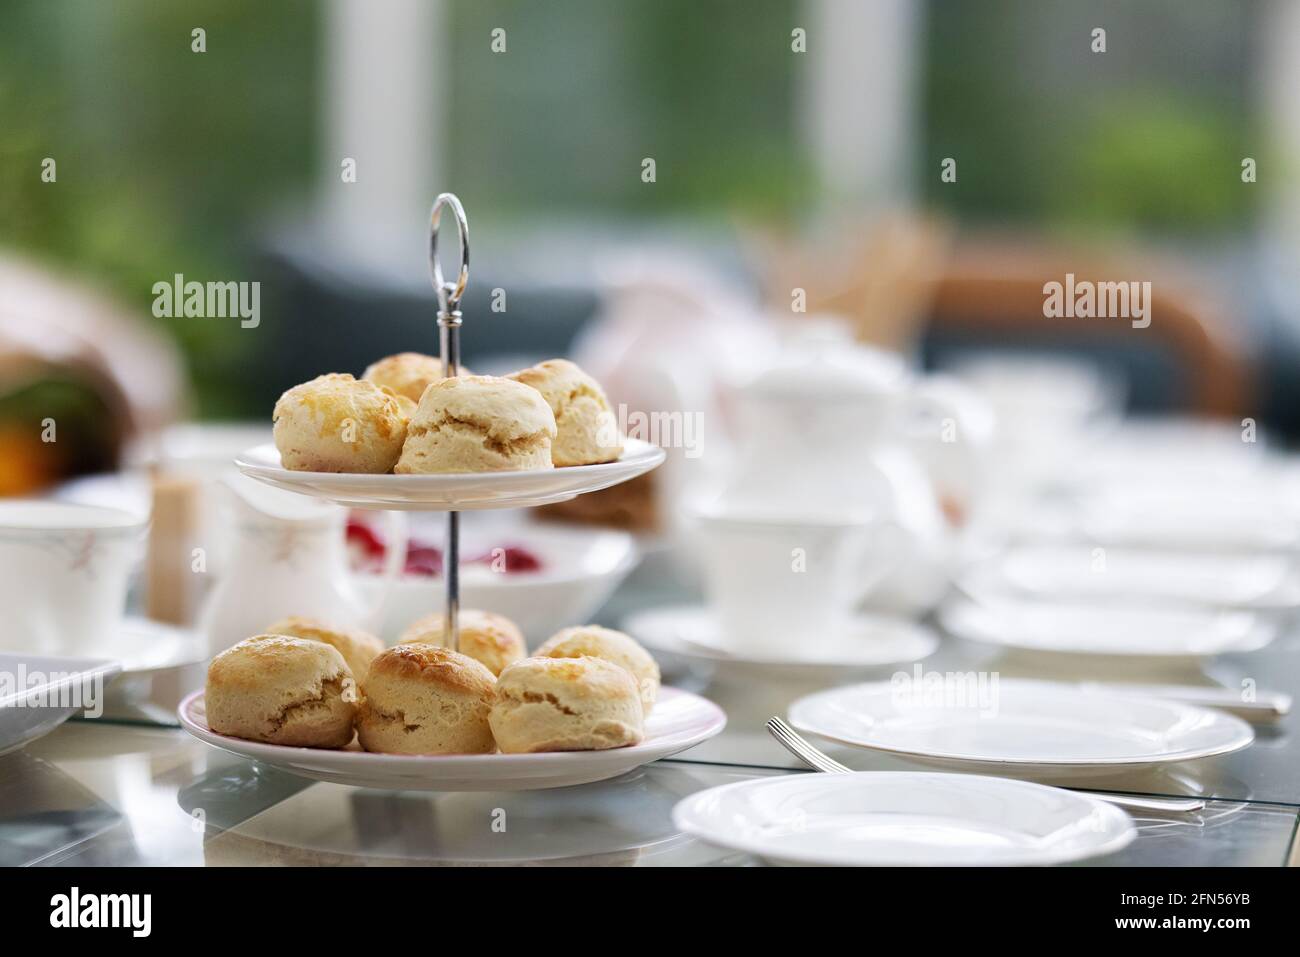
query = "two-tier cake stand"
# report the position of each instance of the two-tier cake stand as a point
(451, 493)
(679, 719)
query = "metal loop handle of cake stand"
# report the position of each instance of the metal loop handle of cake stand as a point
(449, 322)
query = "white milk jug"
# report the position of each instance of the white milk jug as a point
(288, 556)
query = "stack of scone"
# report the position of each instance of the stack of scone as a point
(306, 684)
(492, 640)
(402, 416)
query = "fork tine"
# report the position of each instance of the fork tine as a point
(807, 751)
(815, 759)
(802, 749)
(793, 746)
(779, 731)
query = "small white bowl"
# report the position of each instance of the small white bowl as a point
(580, 570)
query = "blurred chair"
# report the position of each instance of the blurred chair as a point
(879, 274)
(991, 293)
(906, 285)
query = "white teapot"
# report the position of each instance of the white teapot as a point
(833, 427)
(288, 556)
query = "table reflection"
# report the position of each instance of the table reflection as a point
(621, 822)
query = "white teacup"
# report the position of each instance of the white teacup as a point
(64, 573)
(779, 584)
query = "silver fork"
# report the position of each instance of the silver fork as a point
(819, 760)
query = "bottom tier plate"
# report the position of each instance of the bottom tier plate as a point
(680, 720)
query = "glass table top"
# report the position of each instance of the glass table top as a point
(95, 793)
(1267, 771)
(141, 792)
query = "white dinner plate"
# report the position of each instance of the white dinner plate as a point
(872, 641)
(1079, 628)
(452, 492)
(680, 720)
(1086, 573)
(1034, 726)
(1209, 518)
(900, 818)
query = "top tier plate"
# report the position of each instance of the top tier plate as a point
(458, 492)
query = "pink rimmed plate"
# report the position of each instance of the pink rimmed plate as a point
(680, 720)
(460, 492)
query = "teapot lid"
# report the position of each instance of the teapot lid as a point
(820, 359)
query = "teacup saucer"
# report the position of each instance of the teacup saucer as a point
(870, 641)
(144, 646)
(160, 665)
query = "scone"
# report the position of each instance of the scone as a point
(611, 645)
(492, 640)
(586, 429)
(357, 647)
(282, 690)
(421, 699)
(336, 423)
(478, 424)
(407, 373)
(566, 704)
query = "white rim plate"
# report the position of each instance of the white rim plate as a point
(1078, 628)
(680, 720)
(886, 818)
(874, 641)
(461, 492)
(1019, 724)
(144, 646)
(1083, 573)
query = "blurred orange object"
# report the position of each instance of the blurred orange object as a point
(79, 375)
(25, 464)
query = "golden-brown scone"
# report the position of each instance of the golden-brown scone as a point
(613, 646)
(407, 373)
(566, 704)
(282, 690)
(408, 408)
(357, 647)
(336, 423)
(421, 699)
(492, 640)
(479, 424)
(586, 429)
